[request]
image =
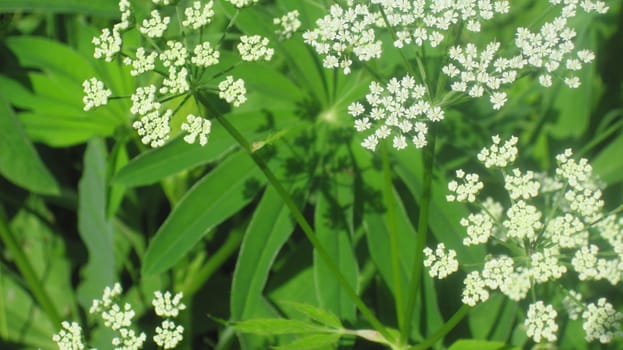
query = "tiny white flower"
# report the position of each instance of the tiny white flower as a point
(198, 16)
(255, 48)
(232, 91)
(540, 322)
(196, 126)
(95, 94)
(155, 26)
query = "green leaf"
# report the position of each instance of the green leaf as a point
(317, 314)
(51, 56)
(177, 155)
(277, 326)
(310, 342)
(19, 161)
(473, 344)
(269, 229)
(220, 194)
(93, 225)
(333, 233)
(101, 8)
(608, 163)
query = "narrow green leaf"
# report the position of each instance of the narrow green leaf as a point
(220, 194)
(317, 314)
(608, 163)
(333, 233)
(277, 326)
(19, 161)
(93, 225)
(269, 229)
(177, 155)
(51, 56)
(310, 342)
(101, 8)
(473, 344)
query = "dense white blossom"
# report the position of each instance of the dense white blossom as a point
(232, 91)
(242, 3)
(288, 24)
(196, 127)
(168, 334)
(155, 26)
(141, 63)
(467, 190)
(601, 322)
(254, 48)
(440, 263)
(107, 44)
(153, 127)
(69, 337)
(540, 322)
(205, 55)
(400, 110)
(498, 155)
(342, 33)
(197, 15)
(94, 93)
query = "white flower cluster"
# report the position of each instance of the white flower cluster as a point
(232, 91)
(168, 334)
(70, 337)
(242, 3)
(427, 20)
(183, 69)
(343, 33)
(441, 263)
(254, 48)
(483, 72)
(401, 109)
(536, 245)
(119, 319)
(95, 94)
(550, 51)
(196, 127)
(351, 30)
(198, 16)
(540, 322)
(289, 24)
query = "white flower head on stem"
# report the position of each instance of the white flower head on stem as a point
(232, 91)
(602, 322)
(70, 337)
(441, 263)
(153, 127)
(95, 94)
(198, 16)
(540, 322)
(499, 155)
(289, 24)
(254, 48)
(205, 55)
(399, 109)
(167, 305)
(107, 44)
(168, 334)
(196, 127)
(155, 26)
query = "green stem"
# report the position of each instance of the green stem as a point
(393, 237)
(217, 260)
(28, 272)
(445, 329)
(416, 275)
(302, 222)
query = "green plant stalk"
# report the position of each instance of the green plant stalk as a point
(390, 217)
(428, 162)
(198, 279)
(27, 272)
(445, 329)
(300, 219)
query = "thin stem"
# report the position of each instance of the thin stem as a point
(416, 275)
(28, 272)
(304, 225)
(198, 279)
(393, 237)
(445, 329)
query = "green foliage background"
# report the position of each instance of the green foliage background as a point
(88, 205)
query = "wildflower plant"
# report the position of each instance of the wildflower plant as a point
(119, 318)
(548, 232)
(284, 165)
